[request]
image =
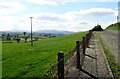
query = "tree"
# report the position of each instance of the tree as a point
(97, 28)
(24, 33)
(17, 38)
(8, 36)
(25, 36)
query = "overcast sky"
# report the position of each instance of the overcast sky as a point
(69, 15)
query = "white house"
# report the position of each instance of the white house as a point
(118, 17)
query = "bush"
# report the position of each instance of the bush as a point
(97, 28)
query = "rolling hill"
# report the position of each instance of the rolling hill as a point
(115, 26)
(54, 31)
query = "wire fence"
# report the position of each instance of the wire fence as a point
(52, 72)
(57, 70)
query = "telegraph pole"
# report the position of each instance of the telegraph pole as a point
(31, 32)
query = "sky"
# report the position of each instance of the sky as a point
(67, 15)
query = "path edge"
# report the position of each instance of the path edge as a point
(109, 69)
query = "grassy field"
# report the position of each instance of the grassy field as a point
(23, 60)
(115, 26)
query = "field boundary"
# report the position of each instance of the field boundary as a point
(80, 48)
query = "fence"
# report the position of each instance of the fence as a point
(80, 52)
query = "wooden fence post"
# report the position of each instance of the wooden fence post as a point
(90, 33)
(88, 37)
(86, 40)
(60, 65)
(78, 54)
(84, 45)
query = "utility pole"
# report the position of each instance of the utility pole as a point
(31, 32)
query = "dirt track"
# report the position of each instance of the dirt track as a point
(111, 41)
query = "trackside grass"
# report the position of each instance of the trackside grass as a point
(111, 60)
(23, 60)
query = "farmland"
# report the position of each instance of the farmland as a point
(23, 60)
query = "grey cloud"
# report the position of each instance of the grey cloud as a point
(5, 7)
(83, 23)
(50, 18)
(101, 14)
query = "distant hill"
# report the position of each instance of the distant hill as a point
(41, 31)
(54, 31)
(16, 30)
(115, 26)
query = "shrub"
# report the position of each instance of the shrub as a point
(97, 28)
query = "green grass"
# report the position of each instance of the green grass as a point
(111, 60)
(115, 26)
(23, 60)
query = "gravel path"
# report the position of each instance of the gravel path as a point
(111, 41)
(94, 64)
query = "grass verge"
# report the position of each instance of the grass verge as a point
(111, 60)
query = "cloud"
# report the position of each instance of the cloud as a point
(61, 2)
(10, 7)
(58, 2)
(99, 12)
(76, 26)
(50, 17)
(75, 15)
(84, 23)
(70, 21)
(105, 24)
(42, 2)
(52, 2)
(23, 23)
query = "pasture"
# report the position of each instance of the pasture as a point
(24, 60)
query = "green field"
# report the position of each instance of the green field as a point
(115, 26)
(23, 60)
